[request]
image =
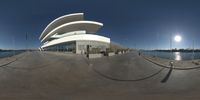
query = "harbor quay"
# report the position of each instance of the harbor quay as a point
(46, 75)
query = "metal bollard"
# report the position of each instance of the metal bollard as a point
(171, 64)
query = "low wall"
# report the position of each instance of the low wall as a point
(95, 55)
(111, 54)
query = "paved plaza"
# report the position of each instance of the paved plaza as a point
(64, 76)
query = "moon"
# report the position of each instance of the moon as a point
(178, 38)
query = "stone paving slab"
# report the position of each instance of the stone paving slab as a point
(185, 64)
(60, 76)
(8, 60)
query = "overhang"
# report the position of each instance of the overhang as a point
(61, 20)
(88, 26)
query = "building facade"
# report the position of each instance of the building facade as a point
(71, 33)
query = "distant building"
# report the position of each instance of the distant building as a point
(71, 33)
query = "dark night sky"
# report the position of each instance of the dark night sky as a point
(133, 23)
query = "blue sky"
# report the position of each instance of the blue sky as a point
(146, 24)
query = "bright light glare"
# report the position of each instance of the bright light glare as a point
(178, 38)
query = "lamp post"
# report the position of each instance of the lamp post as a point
(193, 48)
(157, 37)
(26, 42)
(171, 45)
(13, 45)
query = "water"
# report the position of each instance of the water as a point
(9, 53)
(174, 55)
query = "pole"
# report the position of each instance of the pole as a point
(157, 43)
(171, 45)
(26, 42)
(13, 45)
(193, 48)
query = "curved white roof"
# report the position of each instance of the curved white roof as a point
(88, 26)
(87, 37)
(61, 20)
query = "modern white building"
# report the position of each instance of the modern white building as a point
(71, 33)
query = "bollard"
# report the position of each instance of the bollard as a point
(171, 64)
